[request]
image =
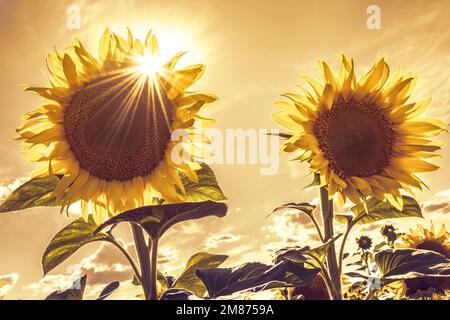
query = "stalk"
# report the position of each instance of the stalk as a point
(154, 269)
(144, 259)
(332, 264)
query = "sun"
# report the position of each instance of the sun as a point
(150, 64)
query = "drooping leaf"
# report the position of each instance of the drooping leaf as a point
(304, 207)
(380, 210)
(207, 187)
(75, 292)
(108, 290)
(189, 280)
(398, 264)
(75, 235)
(178, 294)
(402, 264)
(254, 276)
(300, 255)
(315, 182)
(156, 220)
(36, 192)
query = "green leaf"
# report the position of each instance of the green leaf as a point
(68, 240)
(189, 280)
(254, 276)
(380, 210)
(380, 245)
(304, 207)
(108, 290)
(75, 292)
(156, 220)
(315, 182)
(207, 187)
(402, 264)
(300, 255)
(399, 264)
(36, 192)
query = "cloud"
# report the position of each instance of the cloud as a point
(220, 239)
(7, 282)
(7, 188)
(105, 265)
(439, 206)
(292, 226)
(168, 260)
(50, 283)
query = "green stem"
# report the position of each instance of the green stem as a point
(154, 269)
(344, 241)
(144, 259)
(319, 232)
(130, 260)
(328, 219)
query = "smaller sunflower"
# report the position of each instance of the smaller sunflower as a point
(427, 239)
(389, 232)
(364, 243)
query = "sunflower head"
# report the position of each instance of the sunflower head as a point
(361, 135)
(364, 243)
(106, 125)
(389, 232)
(427, 239)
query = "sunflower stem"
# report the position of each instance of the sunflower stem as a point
(154, 269)
(130, 260)
(332, 264)
(144, 259)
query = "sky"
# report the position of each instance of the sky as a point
(254, 51)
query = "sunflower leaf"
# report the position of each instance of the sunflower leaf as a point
(401, 264)
(156, 220)
(300, 255)
(75, 292)
(71, 238)
(189, 280)
(254, 276)
(108, 290)
(315, 182)
(380, 210)
(207, 187)
(304, 207)
(36, 192)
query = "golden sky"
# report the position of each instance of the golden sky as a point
(254, 51)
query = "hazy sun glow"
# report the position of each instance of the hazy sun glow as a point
(150, 64)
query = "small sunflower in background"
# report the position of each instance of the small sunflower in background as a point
(427, 239)
(364, 243)
(106, 123)
(361, 135)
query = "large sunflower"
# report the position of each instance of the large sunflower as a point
(106, 125)
(361, 135)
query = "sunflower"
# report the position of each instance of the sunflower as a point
(361, 135)
(364, 243)
(106, 125)
(427, 239)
